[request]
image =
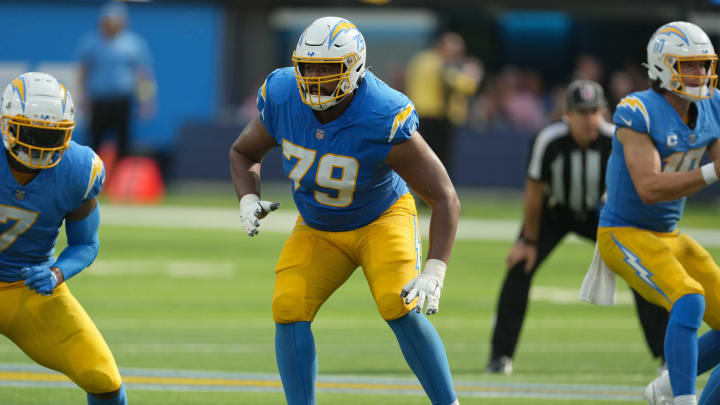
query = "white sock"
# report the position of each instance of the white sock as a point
(456, 402)
(685, 400)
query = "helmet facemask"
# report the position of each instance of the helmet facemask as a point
(673, 45)
(37, 144)
(707, 82)
(311, 87)
(335, 41)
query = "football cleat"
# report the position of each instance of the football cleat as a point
(659, 391)
(500, 365)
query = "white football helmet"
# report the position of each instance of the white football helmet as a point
(329, 40)
(678, 42)
(37, 117)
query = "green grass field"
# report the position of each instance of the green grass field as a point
(186, 312)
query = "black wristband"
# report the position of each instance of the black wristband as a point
(527, 240)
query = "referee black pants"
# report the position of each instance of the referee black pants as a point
(107, 116)
(513, 301)
(439, 135)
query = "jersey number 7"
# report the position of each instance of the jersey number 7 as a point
(25, 219)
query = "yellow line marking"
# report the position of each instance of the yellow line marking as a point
(229, 382)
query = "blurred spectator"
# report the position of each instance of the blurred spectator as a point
(521, 98)
(619, 86)
(440, 82)
(589, 67)
(514, 100)
(115, 68)
(629, 79)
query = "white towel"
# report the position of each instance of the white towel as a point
(598, 286)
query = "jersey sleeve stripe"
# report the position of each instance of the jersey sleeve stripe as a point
(636, 104)
(263, 93)
(95, 172)
(400, 120)
(544, 138)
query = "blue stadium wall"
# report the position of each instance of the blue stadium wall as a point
(184, 39)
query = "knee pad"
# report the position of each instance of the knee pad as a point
(98, 381)
(391, 306)
(688, 311)
(288, 308)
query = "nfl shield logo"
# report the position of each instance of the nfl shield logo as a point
(319, 134)
(19, 194)
(692, 138)
(587, 92)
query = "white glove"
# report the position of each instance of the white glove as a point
(252, 210)
(426, 285)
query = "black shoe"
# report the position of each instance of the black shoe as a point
(500, 365)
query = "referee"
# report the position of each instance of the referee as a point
(563, 191)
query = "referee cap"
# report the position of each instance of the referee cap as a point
(585, 95)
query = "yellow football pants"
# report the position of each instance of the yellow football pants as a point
(663, 267)
(57, 333)
(314, 263)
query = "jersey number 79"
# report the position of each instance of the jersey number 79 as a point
(336, 172)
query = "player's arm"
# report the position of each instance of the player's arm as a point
(644, 165)
(81, 229)
(532, 209)
(526, 246)
(714, 152)
(246, 155)
(416, 163)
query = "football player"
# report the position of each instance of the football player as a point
(47, 180)
(662, 134)
(351, 149)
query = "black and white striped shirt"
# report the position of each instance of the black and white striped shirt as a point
(575, 176)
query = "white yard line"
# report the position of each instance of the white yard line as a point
(283, 221)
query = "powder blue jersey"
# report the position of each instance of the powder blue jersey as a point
(31, 215)
(680, 148)
(340, 179)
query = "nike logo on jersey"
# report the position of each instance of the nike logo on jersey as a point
(627, 122)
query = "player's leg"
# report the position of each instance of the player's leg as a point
(514, 296)
(309, 270)
(391, 254)
(424, 352)
(653, 319)
(121, 120)
(681, 350)
(647, 261)
(56, 332)
(701, 267)
(99, 123)
(711, 392)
